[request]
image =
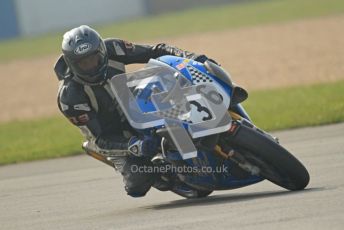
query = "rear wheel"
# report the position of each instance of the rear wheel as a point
(275, 163)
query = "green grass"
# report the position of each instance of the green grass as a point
(191, 21)
(269, 109)
(39, 139)
(297, 107)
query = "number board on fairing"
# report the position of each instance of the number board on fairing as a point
(173, 107)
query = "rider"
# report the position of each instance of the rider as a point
(85, 98)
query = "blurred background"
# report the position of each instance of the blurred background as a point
(34, 17)
(289, 54)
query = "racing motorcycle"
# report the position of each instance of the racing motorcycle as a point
(208, 141)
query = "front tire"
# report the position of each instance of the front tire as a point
(276, 164)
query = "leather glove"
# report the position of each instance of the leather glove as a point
(148, 146)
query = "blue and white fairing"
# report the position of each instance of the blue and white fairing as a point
(187, 68)
(197, 74)
(139, 92)
(182, 92)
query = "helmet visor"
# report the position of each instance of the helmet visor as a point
(91, 64)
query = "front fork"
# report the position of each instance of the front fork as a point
(229, 153)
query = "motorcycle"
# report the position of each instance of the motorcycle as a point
(208, 141)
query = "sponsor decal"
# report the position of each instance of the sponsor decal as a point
(180, 66)
(233, 128)
(83, 107)
(83, 48)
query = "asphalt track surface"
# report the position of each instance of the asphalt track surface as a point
(82, 193)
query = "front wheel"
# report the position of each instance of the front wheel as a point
(275, 163)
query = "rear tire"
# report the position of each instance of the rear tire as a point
(276, 164)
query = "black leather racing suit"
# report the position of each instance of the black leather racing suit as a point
(94, 109)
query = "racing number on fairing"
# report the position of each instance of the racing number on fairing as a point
(201, 109)
(212, 95)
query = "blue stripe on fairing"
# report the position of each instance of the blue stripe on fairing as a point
(174, 61)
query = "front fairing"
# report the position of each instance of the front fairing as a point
(160, 96)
